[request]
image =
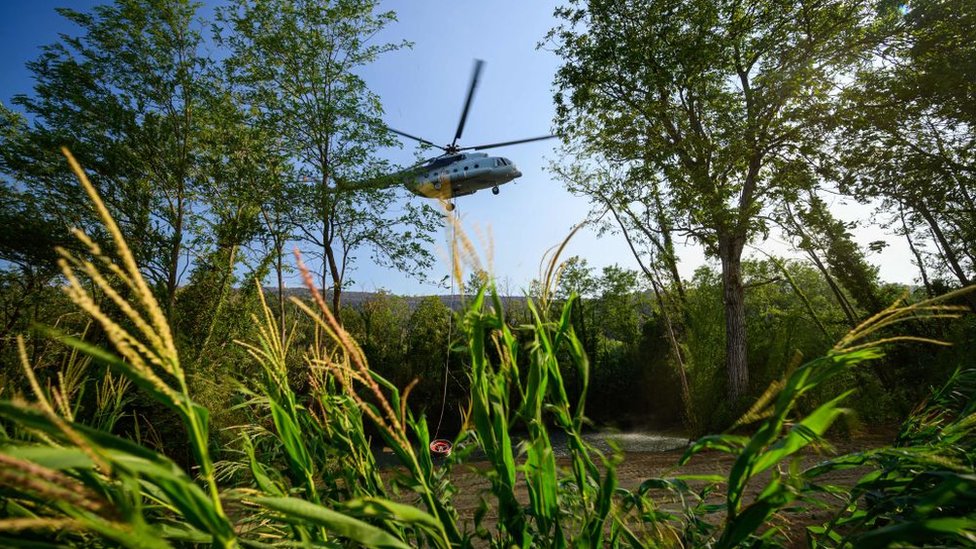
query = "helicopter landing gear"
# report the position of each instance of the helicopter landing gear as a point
(494, 190)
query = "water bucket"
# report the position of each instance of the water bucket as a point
(440, 447)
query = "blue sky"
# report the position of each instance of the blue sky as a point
(422, 89)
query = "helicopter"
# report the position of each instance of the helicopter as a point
(455, 172)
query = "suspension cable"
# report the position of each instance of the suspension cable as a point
(450, 318)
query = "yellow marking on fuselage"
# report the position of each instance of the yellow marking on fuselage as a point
(428, 190)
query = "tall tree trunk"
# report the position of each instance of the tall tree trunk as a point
(948, 254)
(173, 264)
(328, 231)
(918, 256)
(845, 305)
(947, 251)
(733, 293)
(336, 282)
(668, 254)
(279, 271)
(688, 411)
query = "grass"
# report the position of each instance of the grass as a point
(300, 472)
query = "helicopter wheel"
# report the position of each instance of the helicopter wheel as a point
(494, 190)
(450, 206)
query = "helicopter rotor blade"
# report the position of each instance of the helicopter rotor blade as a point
(415, 138)
(504, 143)
(478, 64)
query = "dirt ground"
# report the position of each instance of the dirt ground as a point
(638, 466)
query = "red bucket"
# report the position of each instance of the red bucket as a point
(440, 447)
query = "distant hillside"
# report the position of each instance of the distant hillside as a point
(356, 299)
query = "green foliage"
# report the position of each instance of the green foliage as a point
(124, 94)
(148, 425)
(294, 66)
(793, 308)
(822, 235)
(907, 135)
(430, 335)
(385, 319)
(921, 489)
(307, 474)
(716, 107)
(608, 315)
(778, 436)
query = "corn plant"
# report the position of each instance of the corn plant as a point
(326, 453)
(755, 509)
(564, 510)
(69, 482)
(511, 393)
(111, 467)
(921, 489)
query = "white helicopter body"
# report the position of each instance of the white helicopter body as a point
(457, 173)
(461, 174)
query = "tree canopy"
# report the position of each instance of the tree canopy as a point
(295, 65)
(724, 101)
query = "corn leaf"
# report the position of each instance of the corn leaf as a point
(304, 512)
(51, 457)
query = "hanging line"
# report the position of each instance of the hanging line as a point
(450, 320)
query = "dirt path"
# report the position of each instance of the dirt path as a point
(638, 466)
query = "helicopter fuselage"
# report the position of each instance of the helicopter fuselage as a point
(460, 174)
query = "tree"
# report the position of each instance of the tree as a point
(234, 175)
(907, 133)
(124, 96)
(295, 63)
(477, 279)
(28, 261)
(385, 318)
(618, 306)
(638, 209)
(720, 99)
(576, 278)
(638, 212)
(428, 331)
(829, 244)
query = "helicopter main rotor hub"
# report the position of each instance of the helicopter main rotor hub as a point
(452, 148)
